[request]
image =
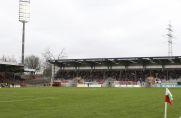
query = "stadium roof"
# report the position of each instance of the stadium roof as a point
(125, 61)
(11, 67)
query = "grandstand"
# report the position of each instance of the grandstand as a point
(10, 74)
(118, 72)
(15, 75)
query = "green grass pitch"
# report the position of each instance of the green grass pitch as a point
(87, 103)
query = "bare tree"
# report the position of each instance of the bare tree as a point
(49, 55)
(8, 59)
(62, 54)
(32, 62)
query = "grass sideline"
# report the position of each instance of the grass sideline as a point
(87, 103)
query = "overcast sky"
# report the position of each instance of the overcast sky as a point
(92, 28)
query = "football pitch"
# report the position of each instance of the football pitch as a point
(87, 103)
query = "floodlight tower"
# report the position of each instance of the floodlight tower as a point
(24, 16)
(170, 42)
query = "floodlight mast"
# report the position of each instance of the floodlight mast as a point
(24, 16)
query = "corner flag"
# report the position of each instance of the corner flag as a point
(168, 99)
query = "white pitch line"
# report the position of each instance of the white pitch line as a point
(32, 99)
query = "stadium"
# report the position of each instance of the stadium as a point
(97, 87)
(116, 65)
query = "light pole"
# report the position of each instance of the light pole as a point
(24, 16)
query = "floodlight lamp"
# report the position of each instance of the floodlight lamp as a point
(24, 10)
